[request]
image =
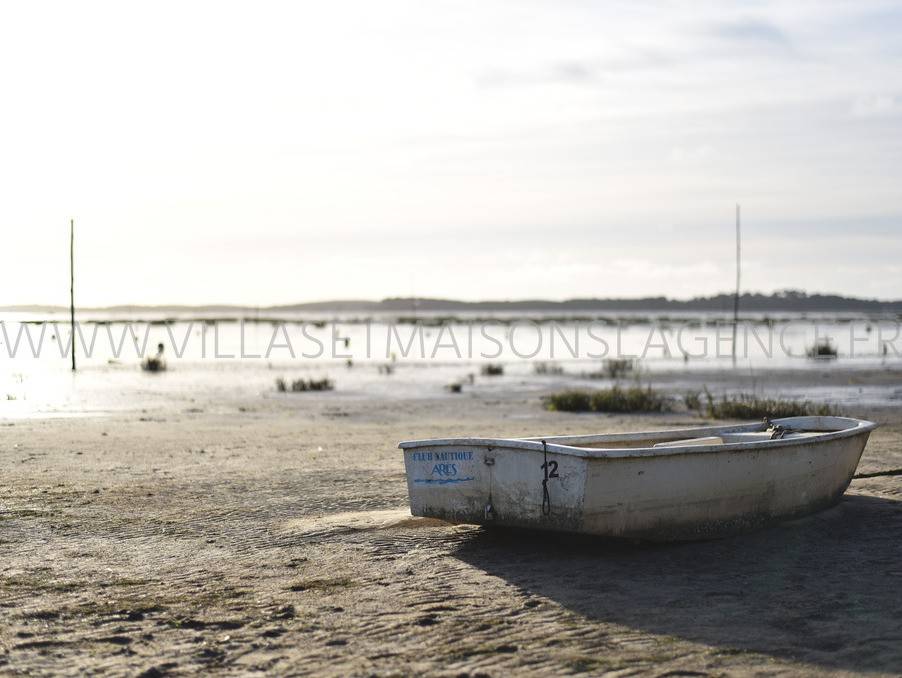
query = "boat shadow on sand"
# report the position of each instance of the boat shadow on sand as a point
(825, 590)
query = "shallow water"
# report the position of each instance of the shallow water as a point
(224, 362)
(96, 390)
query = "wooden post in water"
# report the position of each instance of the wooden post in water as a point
(736, 296)
(72, 285)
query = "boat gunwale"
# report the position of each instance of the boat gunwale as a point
(855, 427)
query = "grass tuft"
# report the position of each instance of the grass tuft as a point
(548, 368)
(492, 370)
(614, 399)
(302, 385)
(615, 368)
(823, 350)
(748, 406)
(639, 399)
(693, 401)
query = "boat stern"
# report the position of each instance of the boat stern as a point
(450, 483)
(511, 483)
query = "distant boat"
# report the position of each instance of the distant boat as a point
(682, 484)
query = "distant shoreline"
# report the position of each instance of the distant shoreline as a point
(781, 302)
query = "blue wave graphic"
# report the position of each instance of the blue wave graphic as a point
(440, 481)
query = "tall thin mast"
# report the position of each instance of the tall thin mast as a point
(72, 286)
(736, 296)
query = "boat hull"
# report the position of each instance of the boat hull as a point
(671, 494)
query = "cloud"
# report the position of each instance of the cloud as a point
(562, 73)
(691, 154)
(573, 71)
(876, 106)
(577, 71)
(752, 30)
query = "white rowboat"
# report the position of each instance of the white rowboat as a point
(693, 483)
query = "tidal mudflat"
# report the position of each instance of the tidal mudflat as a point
(271, 534)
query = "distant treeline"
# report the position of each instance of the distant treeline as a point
(788, 301)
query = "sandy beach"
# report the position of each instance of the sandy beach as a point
(249, 248)
(271, 534)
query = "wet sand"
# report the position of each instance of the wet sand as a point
(271, 535)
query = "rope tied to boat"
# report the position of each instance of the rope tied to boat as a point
(489, 507)
(546, 498)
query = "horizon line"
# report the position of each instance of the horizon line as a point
(780, 295)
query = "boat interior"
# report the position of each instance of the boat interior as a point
(721, 439)
(786, 429)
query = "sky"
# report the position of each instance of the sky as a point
(266, 153)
